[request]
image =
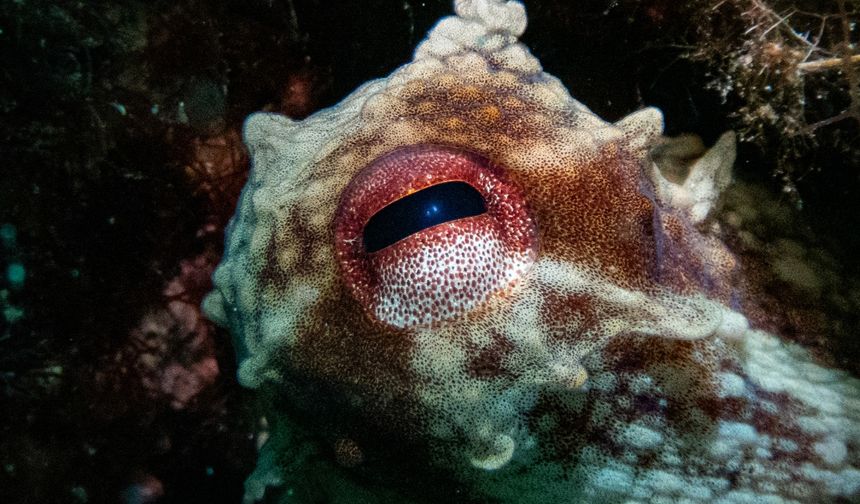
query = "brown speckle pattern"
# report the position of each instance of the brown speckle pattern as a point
(576, 343)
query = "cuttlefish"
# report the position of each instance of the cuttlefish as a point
(461, 285)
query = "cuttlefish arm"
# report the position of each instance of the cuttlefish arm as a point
(569, 336)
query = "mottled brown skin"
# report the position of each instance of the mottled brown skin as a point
(614, 368)
(594, 211)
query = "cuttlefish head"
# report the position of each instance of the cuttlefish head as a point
(434, 256)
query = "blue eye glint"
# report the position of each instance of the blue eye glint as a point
(420, 210)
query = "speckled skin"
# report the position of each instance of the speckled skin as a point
(607, 364)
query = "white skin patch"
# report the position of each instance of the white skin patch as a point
(445, 278)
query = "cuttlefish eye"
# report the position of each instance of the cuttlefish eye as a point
(426, 233)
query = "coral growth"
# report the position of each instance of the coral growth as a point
(794, 67)
(171, 351)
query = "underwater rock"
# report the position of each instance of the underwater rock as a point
(570, 333)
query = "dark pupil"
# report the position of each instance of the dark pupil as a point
(421, 210)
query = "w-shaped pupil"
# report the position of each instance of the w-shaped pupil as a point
(420, 210)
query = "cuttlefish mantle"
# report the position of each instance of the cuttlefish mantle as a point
(466, 285)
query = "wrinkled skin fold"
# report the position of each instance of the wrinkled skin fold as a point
(580, 341)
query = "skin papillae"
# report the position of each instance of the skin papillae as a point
(578, 342)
